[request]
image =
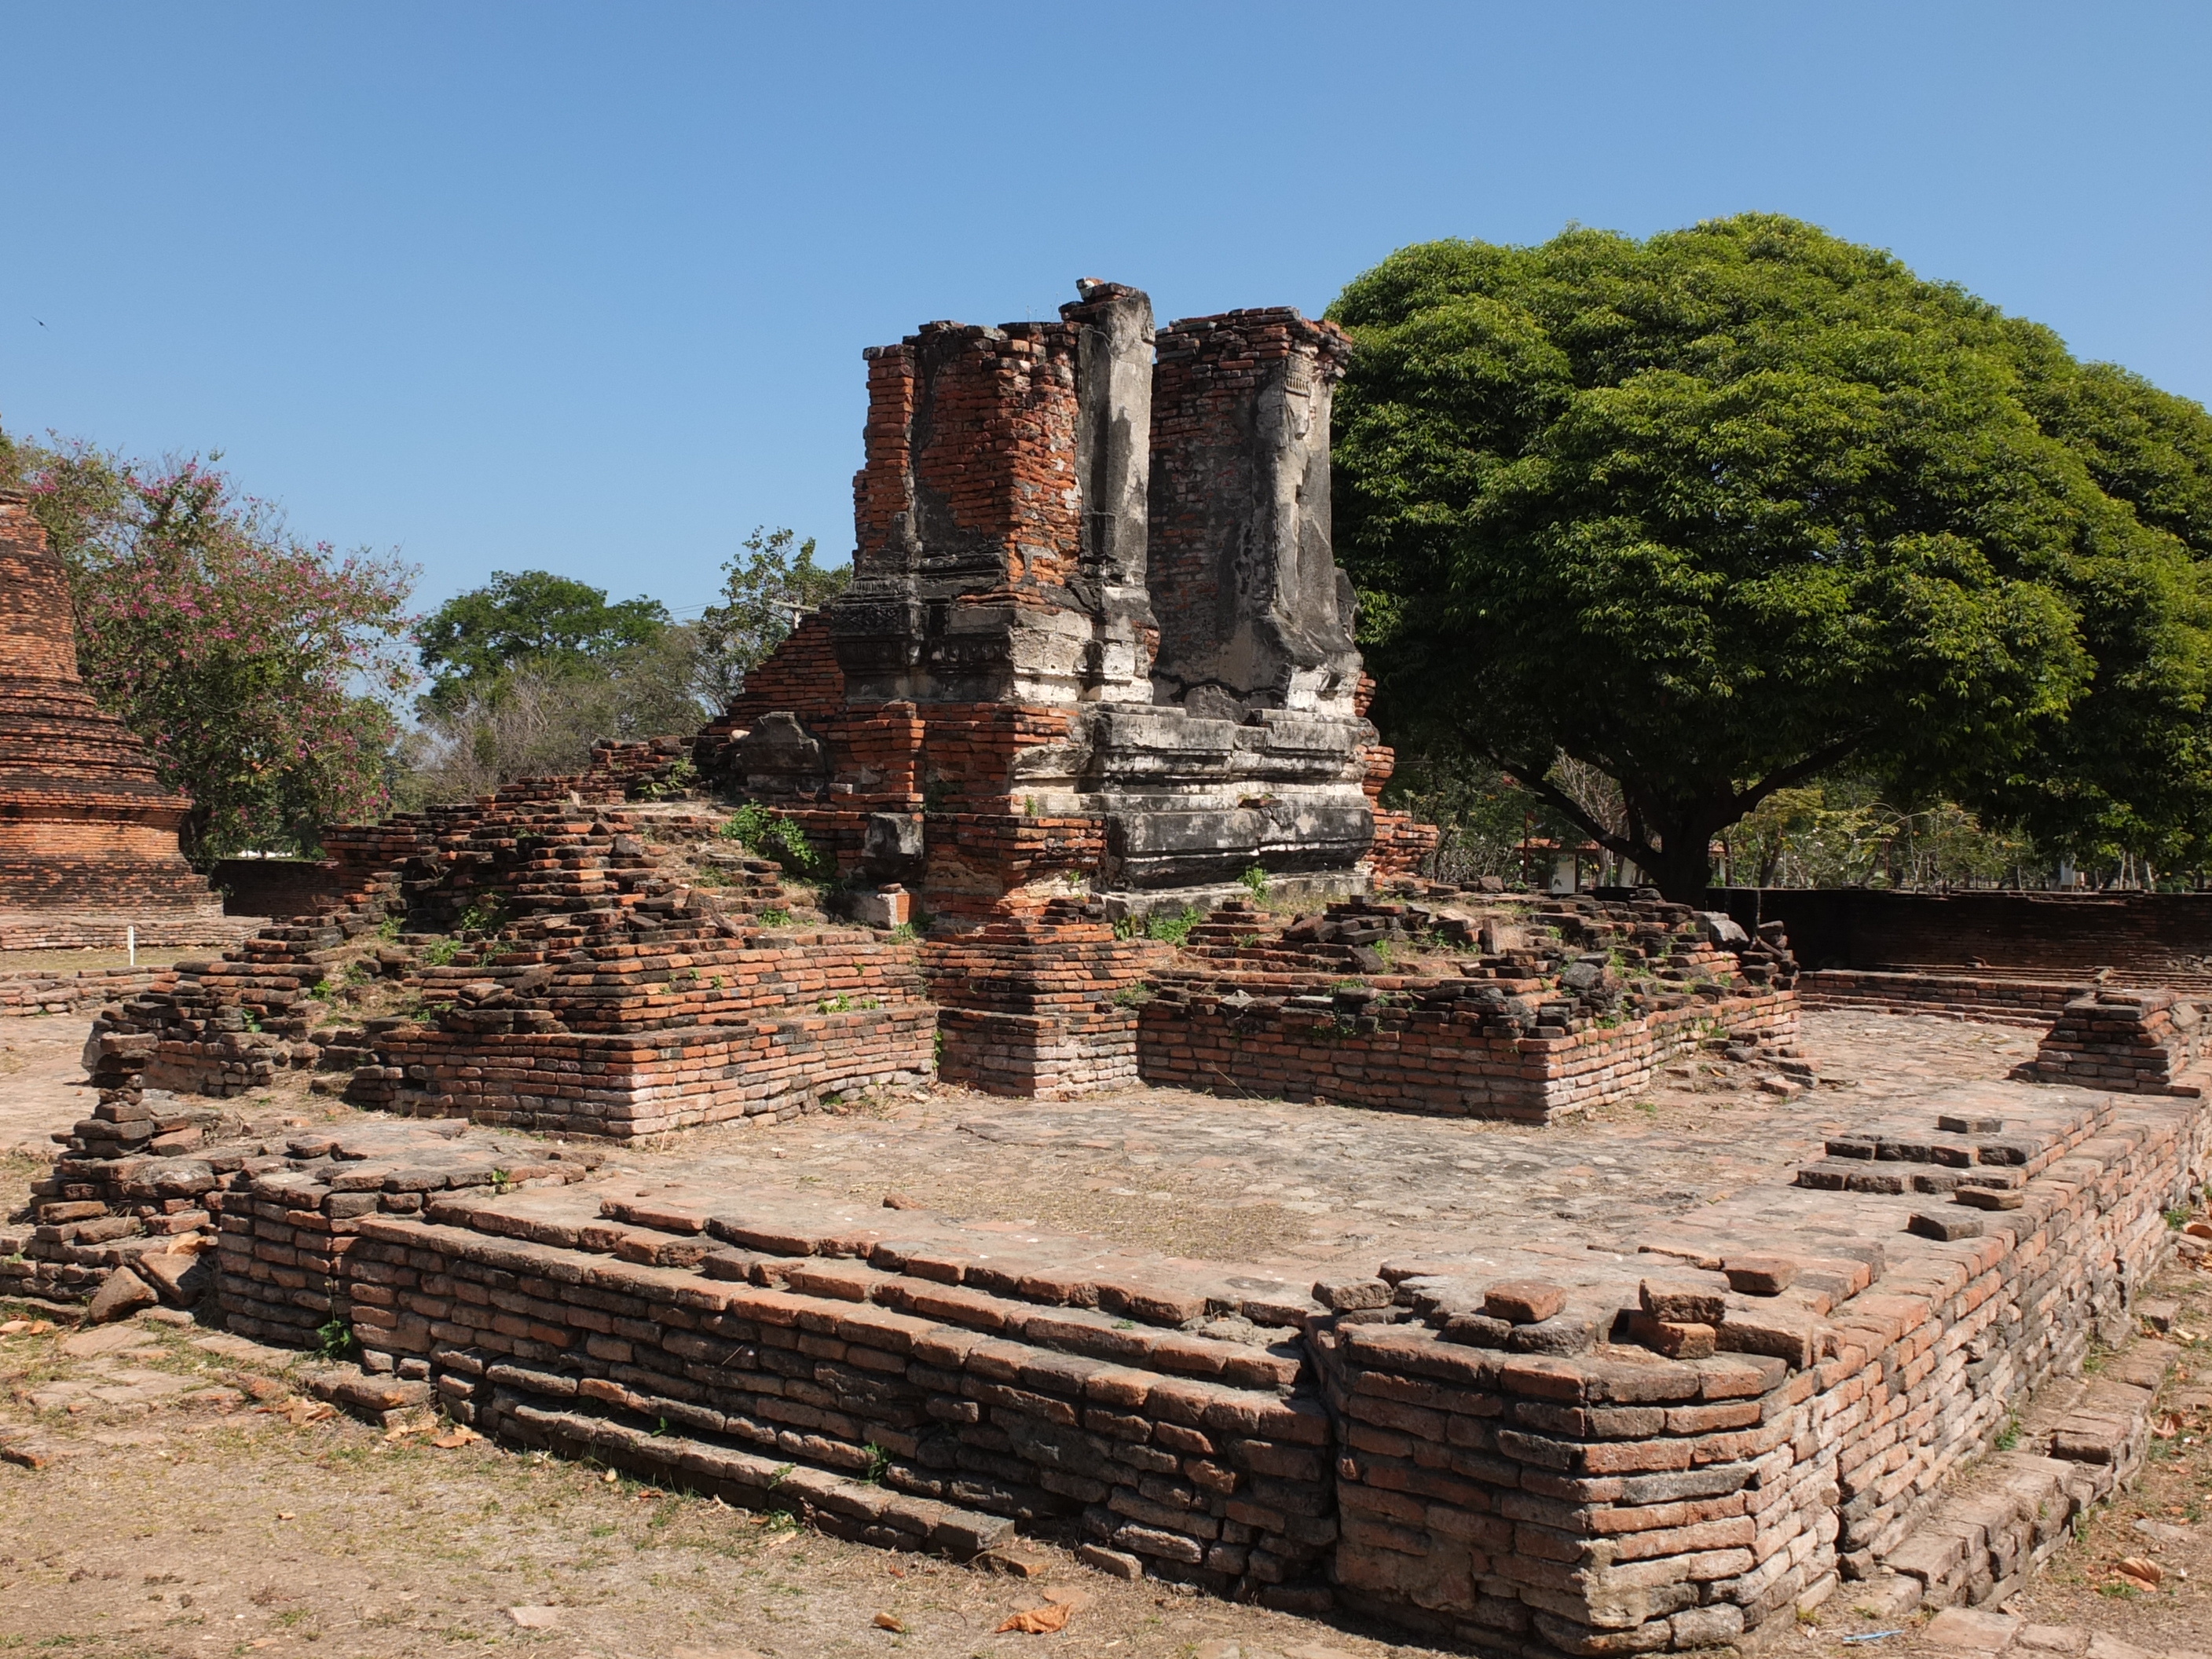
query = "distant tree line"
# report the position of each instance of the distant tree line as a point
(527, 672)
(284, 685)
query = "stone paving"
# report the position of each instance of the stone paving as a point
(1318, 1187)
(42, 1083)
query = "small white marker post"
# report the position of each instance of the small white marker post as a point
(131, 943)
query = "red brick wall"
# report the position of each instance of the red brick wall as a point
(1041, 1008)
(2146, 938)
(38, 635)
(1437, 1063)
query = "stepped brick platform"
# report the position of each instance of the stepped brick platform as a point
(1992, 997)
(87, 833)
(1661, 1438)
(595, 991)
(2138, 1040)
(1043, 1009)
(1536, 1030)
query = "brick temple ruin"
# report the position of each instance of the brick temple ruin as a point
(1096, 664)
(87, 833)
(1095, 632)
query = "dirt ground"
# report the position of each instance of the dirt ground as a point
(165, 956)
(190, 1519)
(42, 1086)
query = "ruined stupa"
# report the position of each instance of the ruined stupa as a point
(87, 833)
(1096, 636)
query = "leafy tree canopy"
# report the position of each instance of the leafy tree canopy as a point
(472, 642)
(1715, 511)
(260, 670)
(764, 594)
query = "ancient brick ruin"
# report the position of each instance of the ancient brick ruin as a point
(87, 834)
(1658, 1446)
(1097, 666)
(1095, 633)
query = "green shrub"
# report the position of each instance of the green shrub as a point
(1175, 929)
(771, 835)
(485, 915)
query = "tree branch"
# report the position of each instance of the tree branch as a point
(1747, 801)
(1534, 782)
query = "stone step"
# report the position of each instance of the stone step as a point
(981, 1281)
(897, 1408)
(864, 1510)
(1979, 1545)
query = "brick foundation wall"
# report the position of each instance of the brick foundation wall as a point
(558, 1083)
(1311, 1008)
(1439, 1061)
(975, 1398)
(1624, 1503)
(1684, 1438)
(2145, 938)
(1987, 1000)
(68, 990)
(287, 1233)
(68, 930)
(1040, 1009)
(609, 997)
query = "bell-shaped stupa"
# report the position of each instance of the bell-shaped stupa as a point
(87, 833)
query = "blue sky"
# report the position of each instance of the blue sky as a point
(585, 288)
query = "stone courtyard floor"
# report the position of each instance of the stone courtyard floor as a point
(41, 1086)
(203, 1507)
(1321, 1187)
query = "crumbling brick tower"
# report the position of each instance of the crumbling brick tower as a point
(1095, 634)
(87, 833)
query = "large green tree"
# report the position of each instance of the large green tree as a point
(1717, 511)
(764, 594)
(553, 624)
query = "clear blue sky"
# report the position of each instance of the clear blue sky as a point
(585, 287)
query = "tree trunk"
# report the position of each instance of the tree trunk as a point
(1680, 867)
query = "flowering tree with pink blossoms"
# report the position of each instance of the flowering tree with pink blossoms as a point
(262, 670)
